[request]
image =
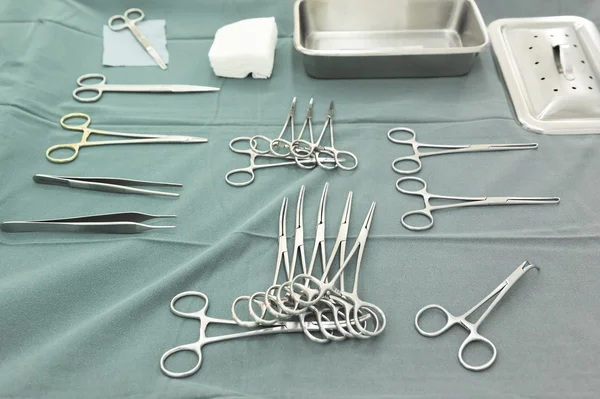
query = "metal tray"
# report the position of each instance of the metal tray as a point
(388, 38)
(550, 68)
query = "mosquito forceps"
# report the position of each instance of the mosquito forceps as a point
(462, 321)
(278, 142)
(445, 149)
(130, 23)
(107, 184)
(118, 223)
(101, 87)
(86, 132)
(427, 211)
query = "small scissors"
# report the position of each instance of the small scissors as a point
(100, 87)
(447, 149)
(465, 201)
(249, 170)
(129, 23)
(462, 321)
(84, 127)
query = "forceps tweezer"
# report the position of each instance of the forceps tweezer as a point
(464, 201)
(86, 132)
(129, 23)
(108, 184)
(445, 149)
(462, 321)
(118, 223)
(100, 87)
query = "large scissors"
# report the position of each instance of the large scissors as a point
(100, 87)
(446, 149)
(134, 138)
(249, 170)
(462, 321)
(464, 201)
(127, 22)
(205, 320)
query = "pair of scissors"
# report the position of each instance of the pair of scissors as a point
(303, 149)
(98, 88)
(126, 21)
(464, 202)
(249, 170)
(205, 321)
(279, 141)
(462, 321)
(446, 149)
(86, 132)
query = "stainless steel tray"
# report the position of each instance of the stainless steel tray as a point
(550, 68)
(388, 38)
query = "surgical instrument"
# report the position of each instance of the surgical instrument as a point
(117, 223)
(445, 149)
(472, 327)
(427, 211)
(130, 23)
(86, 132)
(249, 170)
(100, 87)
(108, 184)
(338, 155)
(279, 141)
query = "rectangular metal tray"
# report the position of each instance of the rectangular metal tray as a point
(550, 69)
(388, 38)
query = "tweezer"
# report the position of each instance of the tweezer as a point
(108, 184)
(118, 223)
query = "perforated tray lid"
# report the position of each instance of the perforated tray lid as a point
(550, 66)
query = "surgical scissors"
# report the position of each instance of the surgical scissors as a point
(462, 321)
(279, 141)
(446, 149)
(130, 23)
(205, 321)
(86, 132)
(249, 170)
(427, 211)
(100, 87)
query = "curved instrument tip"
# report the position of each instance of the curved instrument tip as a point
(526, 266)
(300, 207)
(322, 203)
(283, 217)
(369, 218)
(347, 208)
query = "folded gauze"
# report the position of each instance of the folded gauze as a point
(245, 47)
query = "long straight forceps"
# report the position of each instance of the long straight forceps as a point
(446, 149)
(127, 22)
(100, 87)
(465, 201)
(87, 132)
(205, 321)
(278, 142)
(462, 321)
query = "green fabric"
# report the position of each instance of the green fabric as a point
(87, 316)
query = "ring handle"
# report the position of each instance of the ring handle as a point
(120, 26)
(73, 147)
(320, 155)
(190, 315)
(376, 312)
(475, 337)
(280, 143)
(236, 318)
(313, 321)
(82, 126)
(420, 191)
(254, 144)
(301, 148)
(410, 158)
(450, 321)
(194, 348)
(410, 140)
(344, 155)
(77, 91)
(247, 171)
(421, 212)
(134, 11)
(81, 80)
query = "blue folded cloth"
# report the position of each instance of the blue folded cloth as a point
(121, 48)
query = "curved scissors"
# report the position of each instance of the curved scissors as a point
(446, 149)
(205, 321)
(100, 87)
(249, 170)
(427, 211)
(84, 128)
(462, 321)
(127, 22)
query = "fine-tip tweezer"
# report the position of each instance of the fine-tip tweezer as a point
(108, 184)
(117, 223)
